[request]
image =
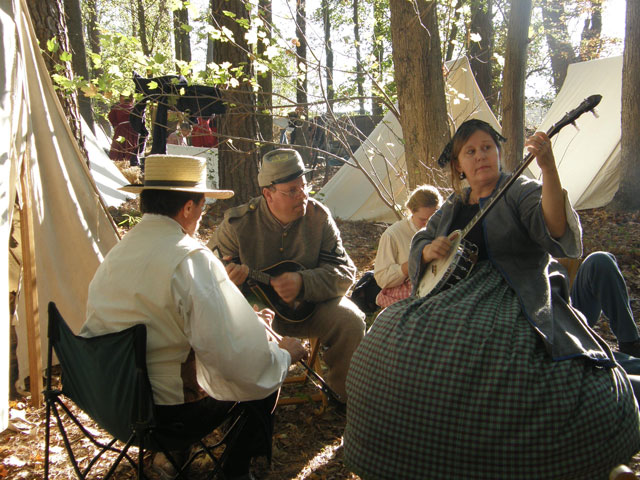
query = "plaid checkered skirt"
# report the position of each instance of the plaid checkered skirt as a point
(460, 386)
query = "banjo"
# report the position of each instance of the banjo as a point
(443, 273)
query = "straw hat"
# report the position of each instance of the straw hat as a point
(281, 166)
(176, 172)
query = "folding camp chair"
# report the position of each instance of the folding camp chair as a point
(106, 377)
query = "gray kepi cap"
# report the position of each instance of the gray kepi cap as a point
(281, 166)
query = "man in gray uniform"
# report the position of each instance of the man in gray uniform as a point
(284, 224)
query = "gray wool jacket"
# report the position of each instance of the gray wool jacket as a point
(520, 247)
(251, 235)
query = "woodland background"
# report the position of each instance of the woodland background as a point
(339, 59)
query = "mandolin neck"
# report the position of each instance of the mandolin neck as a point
(261, 277)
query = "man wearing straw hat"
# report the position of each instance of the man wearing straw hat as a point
(206, 347)
(284, 224)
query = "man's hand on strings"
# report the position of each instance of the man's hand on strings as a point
(287, 286)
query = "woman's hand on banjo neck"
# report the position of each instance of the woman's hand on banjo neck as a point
(438, 249)
(553, 209)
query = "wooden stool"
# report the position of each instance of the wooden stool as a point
(314, 363)
(572, 265)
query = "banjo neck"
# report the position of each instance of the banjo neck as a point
(587, 105)
(444, 272)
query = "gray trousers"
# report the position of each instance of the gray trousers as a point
(339, 325)
(600, 288)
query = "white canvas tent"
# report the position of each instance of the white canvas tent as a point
(588, 159)
(107, 176)
(349, 194)
(71, 229)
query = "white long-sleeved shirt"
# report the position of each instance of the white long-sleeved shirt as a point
(159, 276)
(393, 251)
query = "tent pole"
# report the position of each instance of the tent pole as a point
(29, 289)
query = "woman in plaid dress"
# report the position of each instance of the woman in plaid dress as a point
(392, 259)
(497, 377)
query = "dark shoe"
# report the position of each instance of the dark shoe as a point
(630, 348)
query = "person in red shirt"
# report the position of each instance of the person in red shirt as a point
(203, 134)
(125, 139)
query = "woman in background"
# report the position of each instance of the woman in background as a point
(391, 268)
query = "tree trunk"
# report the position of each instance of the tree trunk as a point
(481, 53)
(79, 54)
(417, 62)
(377, 104)
(328, 51)
(301, 51)
(359, 72)
(182, 40)
(627, 197)
(142, 27)
(93, 33)
(453, 33)
(237, 128)
(513, 83)
(591, 43)
(558, 40)
(265, 81)
(49, 22)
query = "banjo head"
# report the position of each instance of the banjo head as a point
(437, 272)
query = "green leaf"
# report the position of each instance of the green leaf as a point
(52, 45)
(159, 58)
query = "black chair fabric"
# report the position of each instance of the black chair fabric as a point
(106, 377)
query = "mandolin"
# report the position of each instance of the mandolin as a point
(445, 272)
(259, 284)
(259, 281)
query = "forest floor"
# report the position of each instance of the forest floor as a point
(307, 442)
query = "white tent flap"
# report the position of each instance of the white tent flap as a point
(72, 230)
(107, 176)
